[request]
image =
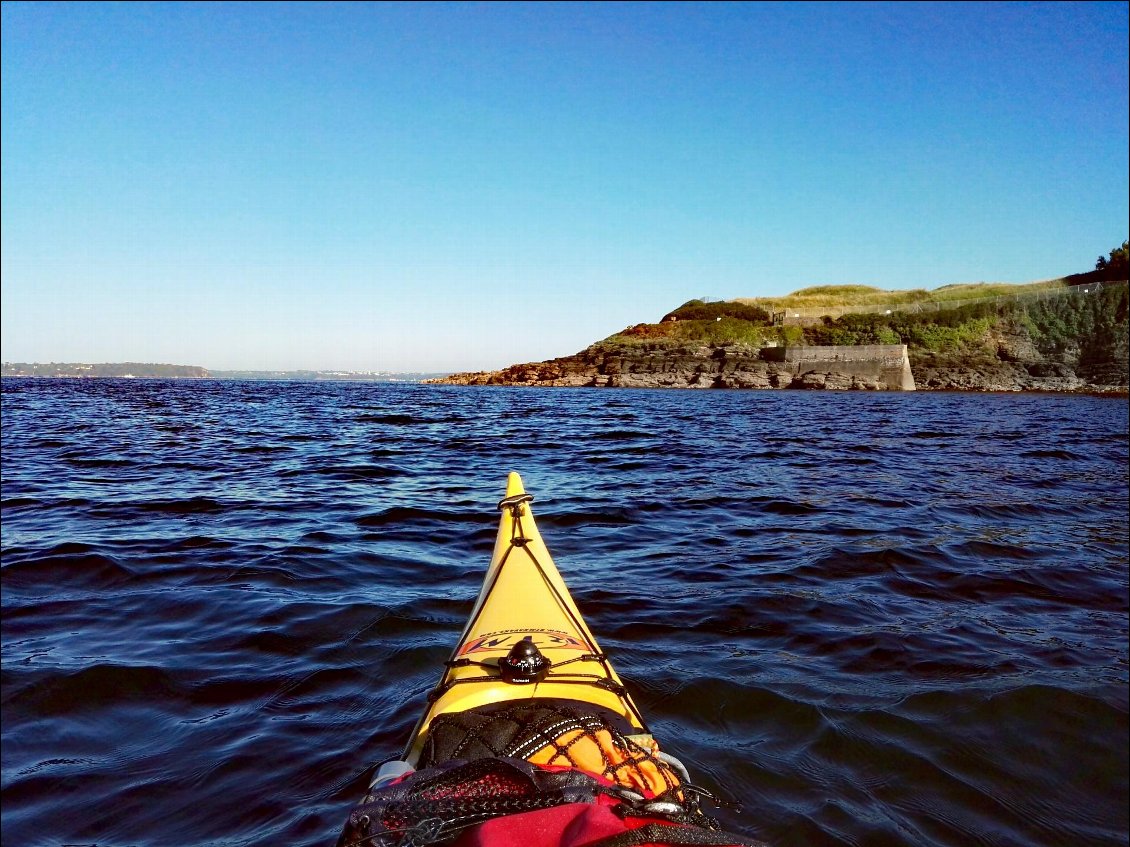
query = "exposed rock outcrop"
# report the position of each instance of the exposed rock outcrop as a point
(1014, 365)
(664, 365)
(1017, 365)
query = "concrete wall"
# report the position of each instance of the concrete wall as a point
(888, 364)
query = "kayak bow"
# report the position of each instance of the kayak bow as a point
(525, 638)
(530, 737)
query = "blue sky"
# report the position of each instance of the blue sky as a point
(436, 187)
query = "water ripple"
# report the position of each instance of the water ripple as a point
(870, 619)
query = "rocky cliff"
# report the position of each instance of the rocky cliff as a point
(1072, 340)
(1013, 364)
(664, 365)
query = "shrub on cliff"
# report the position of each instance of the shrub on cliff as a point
(645, 331)
(722, 331)
(1094, 321)
(1112, 269)
(852, 330)
(1116, 266)
(969, 335)
(697, 310)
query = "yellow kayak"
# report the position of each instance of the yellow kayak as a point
(525, 638)
(530, 736)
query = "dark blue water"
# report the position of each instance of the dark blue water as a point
(871, 619)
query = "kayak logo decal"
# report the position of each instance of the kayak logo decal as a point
(543, 639)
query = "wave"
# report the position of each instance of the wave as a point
(66, 566)
(872, 620)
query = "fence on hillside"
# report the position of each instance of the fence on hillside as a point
(800, 315)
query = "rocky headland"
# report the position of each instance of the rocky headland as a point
(1070, 340)
(657, 365)
(1015, 367)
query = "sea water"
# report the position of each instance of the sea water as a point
(868, 619)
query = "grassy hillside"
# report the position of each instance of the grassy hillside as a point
(843, 296)
(1088, 323)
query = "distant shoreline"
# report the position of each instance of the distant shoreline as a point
(135, 370)
(405, 380)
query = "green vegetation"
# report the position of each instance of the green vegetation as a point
(964, 320)
(1052, 323)
(1096, 321)
(1116, 266)
(1107, 268)
(699, 310)
(844, 296)
(715, 333)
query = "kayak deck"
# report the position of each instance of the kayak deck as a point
(530, 736)
(523, 602)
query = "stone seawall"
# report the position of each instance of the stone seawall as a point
(887, 364)
(876, 368)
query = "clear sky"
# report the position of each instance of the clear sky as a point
(436, 187)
